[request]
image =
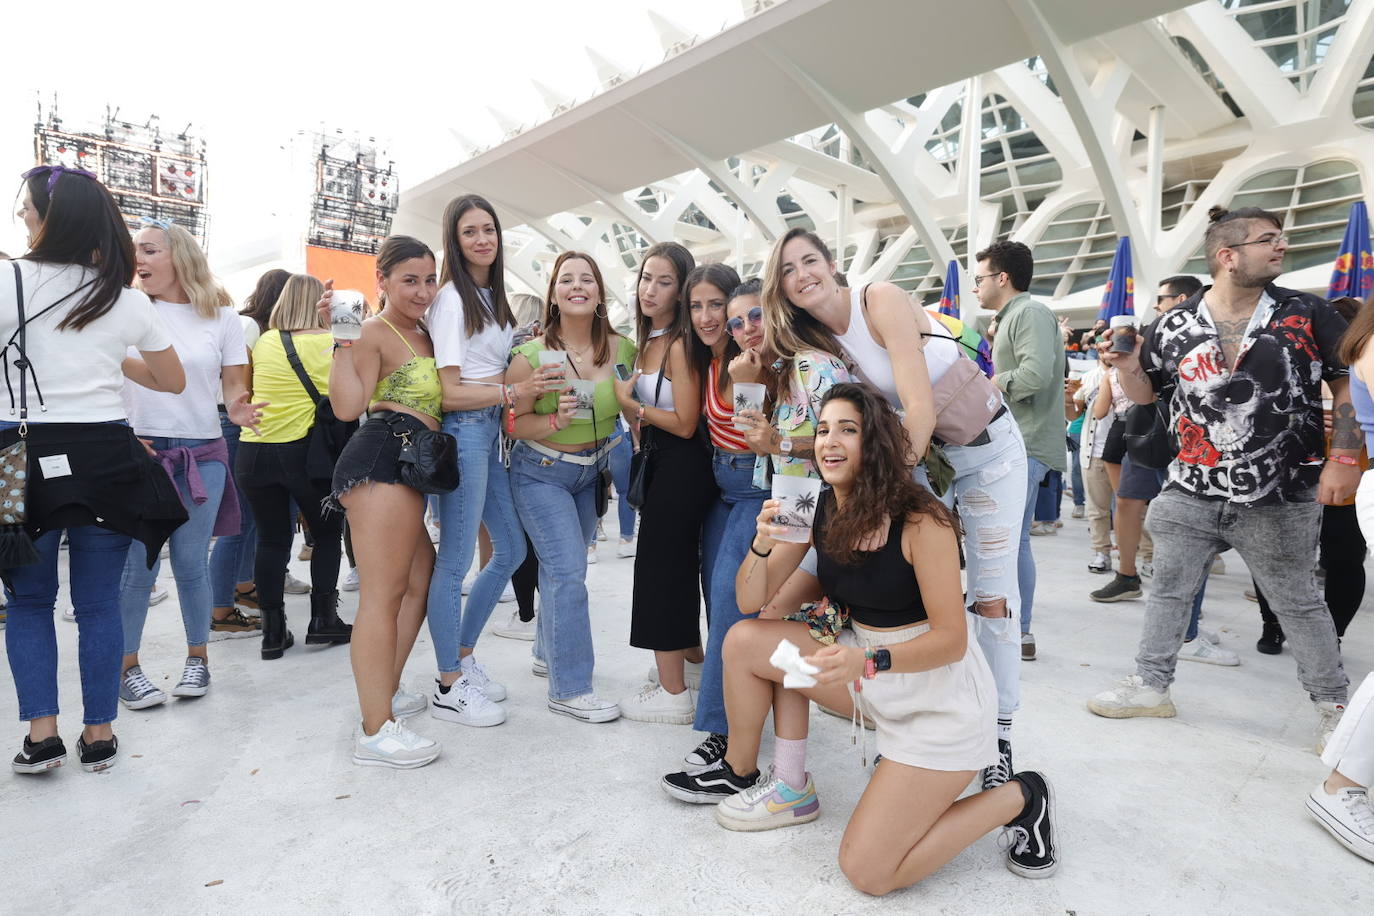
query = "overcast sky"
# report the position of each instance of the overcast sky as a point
(250, 74)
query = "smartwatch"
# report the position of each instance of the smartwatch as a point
(882, 660)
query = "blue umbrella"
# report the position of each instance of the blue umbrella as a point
(1119, 296)
(949, 297)
(1354, 273)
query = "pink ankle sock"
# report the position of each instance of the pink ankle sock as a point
(789, 761)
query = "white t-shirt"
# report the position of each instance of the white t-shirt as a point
(79, 372)
(483, 355)
(204, 346)
(251, 333)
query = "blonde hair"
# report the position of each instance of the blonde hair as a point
(788, 330)
(203, 291)
(295, 309)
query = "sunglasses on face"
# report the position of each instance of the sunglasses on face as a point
(735, 325)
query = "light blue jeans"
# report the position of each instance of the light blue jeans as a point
(1036, 471)
(726, 537)
(990, 492)
(620, 475)
(231, 562)
(557, 504)
(190, 551)
(483, 496)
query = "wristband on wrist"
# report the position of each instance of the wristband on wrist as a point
(758, 553)
(870, 668)
(345, 344)
(1344, 459)
(639, 413)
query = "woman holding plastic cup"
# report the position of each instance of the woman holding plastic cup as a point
(556, 470)
(664, 394)
(909, 663)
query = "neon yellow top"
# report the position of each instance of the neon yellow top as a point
(289, 413)
(606, 407)
(414, 384)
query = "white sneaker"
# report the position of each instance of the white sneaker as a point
(158, 595)
(394, 745)
(1209, 653)
(591, 553)
(465, 704)
(1146, 570)
(1100, 563)
(588, 708)
(601, 531)
(691, 672)
(294, 586)
(507, 594)
(1328, 717)
(655, 704)
(538, 667)
(625, 548)
(1131, 697)
(477, 675)
(69, 614)
(1347, 816)
(433, 531)
(404, 703)
(1218, 566)
(515, 628)
(350, 582)
(1212, 636)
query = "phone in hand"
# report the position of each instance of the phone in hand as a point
(622, 372)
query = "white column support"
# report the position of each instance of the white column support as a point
(914, 201)
(971, 182)
(841, 224)
(628, 213)
(1266, 97)
(1154, 177)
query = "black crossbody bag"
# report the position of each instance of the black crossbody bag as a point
(603, 471)
(328, 434)
(641, 463)
(16, 547)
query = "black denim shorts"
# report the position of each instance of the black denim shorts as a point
(372, 454)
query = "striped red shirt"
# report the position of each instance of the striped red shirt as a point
(720, 415)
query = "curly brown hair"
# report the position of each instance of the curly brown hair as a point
(883, 487)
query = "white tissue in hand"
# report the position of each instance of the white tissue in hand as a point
(787, 657)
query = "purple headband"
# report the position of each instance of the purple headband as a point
(55, 172)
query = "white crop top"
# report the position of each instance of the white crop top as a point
(482, 355)
(645, 386)
(872, 361)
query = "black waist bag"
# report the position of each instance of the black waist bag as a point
(329, 434)
(1146, 436)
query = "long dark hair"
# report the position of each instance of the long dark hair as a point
(602, 332)
(883, 488)
(258, 305)
(476, 316)
(81, 225)
(682, 262)
(723, 278)
(1356, 336)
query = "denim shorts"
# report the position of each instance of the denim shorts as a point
(1140, 482)
(373, 453)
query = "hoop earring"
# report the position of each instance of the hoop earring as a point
(604, 313)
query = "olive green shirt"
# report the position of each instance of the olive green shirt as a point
(1028, 356)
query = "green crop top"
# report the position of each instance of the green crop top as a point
(414, 384)
(606, 409)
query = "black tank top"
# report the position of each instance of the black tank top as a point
(879, 590)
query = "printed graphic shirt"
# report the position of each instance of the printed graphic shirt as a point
(810, 376)
(1253, 433)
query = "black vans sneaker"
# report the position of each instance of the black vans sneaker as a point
(1031, 853)
(45, 755)
(1000, 771)
(709, 786)
(98, 755)
(1121, 588)
(708, 752)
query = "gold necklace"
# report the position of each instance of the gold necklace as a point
(578, 355)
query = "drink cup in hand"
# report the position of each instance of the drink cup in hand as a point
(585, 392)
(797, 497)
(558, 358)
(748, 396)
(1123, 334)
(346, 308)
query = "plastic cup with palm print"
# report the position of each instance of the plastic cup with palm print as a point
(346, 309)
(797, 497)
(748, 396)
(557, 358)
(585, 391)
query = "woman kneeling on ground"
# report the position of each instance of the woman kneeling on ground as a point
(923, 680)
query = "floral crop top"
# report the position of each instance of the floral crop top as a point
(414, 384)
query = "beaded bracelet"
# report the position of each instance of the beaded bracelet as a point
(870, 664)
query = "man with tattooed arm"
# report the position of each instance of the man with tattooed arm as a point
(1240, 367)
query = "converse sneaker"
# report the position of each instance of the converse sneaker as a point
(708, 786)
(515, 628)
(1207, 652)
(404, 703)
(708, 752)
(1027, 647)
(477, 675)
(1346, 815)
(294, 586)
(1031, 852)
(538, 667)
(655, 704)
(1328, 716)
(1121, 588)
(137, 692)
(195, 678)
(626, 548)
(1132, 697)
(1000, 771)
(47, 754)
(768, 804)
(350, 582)
(464, 702)
(394, 745)
(1100, 563)
(98, 755)
(691, 674)
(158, 594)
(589, 708)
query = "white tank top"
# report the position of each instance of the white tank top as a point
(874, 363)
(645, 385)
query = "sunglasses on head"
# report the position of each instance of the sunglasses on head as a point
(735, 325)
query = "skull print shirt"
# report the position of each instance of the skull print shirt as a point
(1251, 433)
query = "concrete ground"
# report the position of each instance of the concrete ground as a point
(247, 801)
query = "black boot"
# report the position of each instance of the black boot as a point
(1271, 639)
(276, 638)
(325, 626)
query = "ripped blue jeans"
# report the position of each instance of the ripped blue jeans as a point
(990, 491)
